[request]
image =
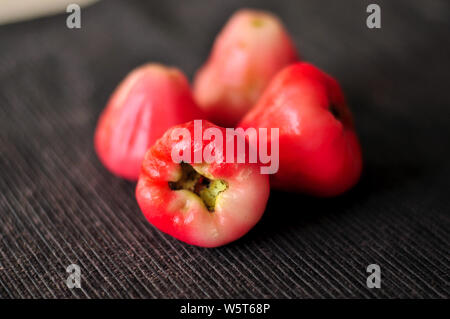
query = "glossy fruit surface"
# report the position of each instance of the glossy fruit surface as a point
(149, 100)
(319, 149)
(252, 47)
(203, 204)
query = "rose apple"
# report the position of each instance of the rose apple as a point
(151, 99)
(202, 203)
(319, 149)
(247, 53)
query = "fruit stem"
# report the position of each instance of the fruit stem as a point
(334, 110)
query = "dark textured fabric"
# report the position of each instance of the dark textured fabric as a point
(59, 205)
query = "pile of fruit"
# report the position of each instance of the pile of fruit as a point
(253, 78)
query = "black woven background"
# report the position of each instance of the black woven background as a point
(58, 205)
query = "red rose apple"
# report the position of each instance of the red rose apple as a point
(319, 149)
(201, 203)
(151, 99)
(252, 47)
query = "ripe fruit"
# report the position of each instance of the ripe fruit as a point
(319, 149)
(252, 47)
(200, 203)
(151, 99)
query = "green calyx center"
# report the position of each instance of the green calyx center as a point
(205, 188)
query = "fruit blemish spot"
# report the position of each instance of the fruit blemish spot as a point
(257, 22)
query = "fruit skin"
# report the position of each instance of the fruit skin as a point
(181, 213)
(319, 153)
(252, 47)
(147, 102)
